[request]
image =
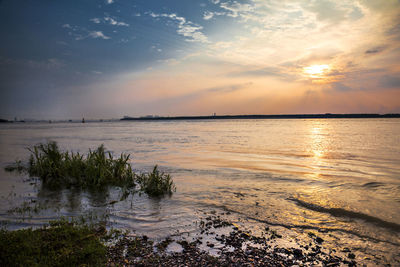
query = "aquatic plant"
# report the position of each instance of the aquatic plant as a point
(56, 168)
(62, 243)
(156, 183)
(96, 169)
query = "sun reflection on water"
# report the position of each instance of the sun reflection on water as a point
(317, 147)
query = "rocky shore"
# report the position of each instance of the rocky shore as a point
(221, 243)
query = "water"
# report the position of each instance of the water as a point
(338, 177)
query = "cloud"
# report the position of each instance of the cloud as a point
(210, 92)
(207, 15)
(227, 88)
(188, 29)
(81, 33)
(328, 10)
(338, 86)
(391, 81)
(95, 20)
(374, 50)
(155, 48)
(109, 2)
(394, 31)
(381, 5)
(98, 34)
(110, 21)
(114, 22)
(266, 71)
(236, 9)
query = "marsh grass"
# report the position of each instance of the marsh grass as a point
(96, 170)
(156, 183)
(62, 243)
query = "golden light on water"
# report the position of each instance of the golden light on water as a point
(317, 144)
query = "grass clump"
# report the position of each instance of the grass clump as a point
(156, 183)
(98, 168)
(61, 244)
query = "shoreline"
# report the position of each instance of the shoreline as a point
(218, 117)
(223, 243)
(217, 242)
(283, 116)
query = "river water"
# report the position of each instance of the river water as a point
(338, 177)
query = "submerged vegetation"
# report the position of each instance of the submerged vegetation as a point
(96, 169)
(62, 243)
(156, 183)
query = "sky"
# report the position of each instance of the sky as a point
(111, 58)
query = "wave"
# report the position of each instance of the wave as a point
(339, 212)
(373, 184)
(305, 226)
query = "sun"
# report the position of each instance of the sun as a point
(316, 71)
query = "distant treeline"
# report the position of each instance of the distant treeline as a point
(289, 116)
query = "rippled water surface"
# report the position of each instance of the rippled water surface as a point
(340, 177)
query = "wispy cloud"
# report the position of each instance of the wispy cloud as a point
(236, 9)
(263, 72)
(114, 22)
(375, 50)
(81, 33)
(98, 34)
(207, 15)
(188, 29)
(332, 11)
(109, 20)
(95, 20)
(215, 1)
(109, 1)
(227, 88)
(391, 81)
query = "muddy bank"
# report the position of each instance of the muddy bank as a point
(222, 243)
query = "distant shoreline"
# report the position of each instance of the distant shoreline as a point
(222, 117)
(286, 116)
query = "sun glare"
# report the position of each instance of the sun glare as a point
(316, 71)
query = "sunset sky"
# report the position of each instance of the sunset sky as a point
(110, 58)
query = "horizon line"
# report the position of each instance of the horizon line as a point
(267, 116)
